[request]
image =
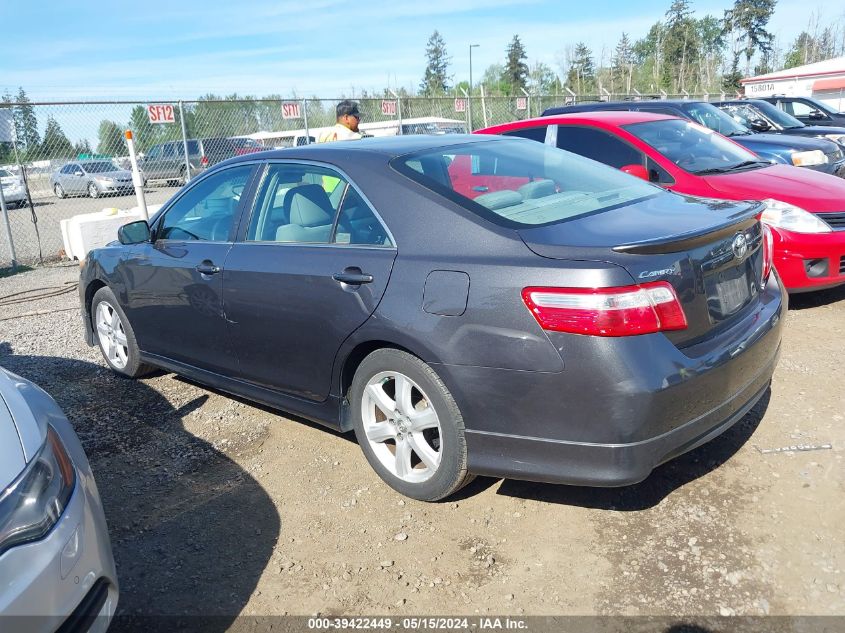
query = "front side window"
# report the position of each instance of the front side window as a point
(767, 110)
(714, 119)
(796, 108)
(169, 150)
(517, 183)
(598, 145)
(693, 148)
(206, 211)
(308, 204)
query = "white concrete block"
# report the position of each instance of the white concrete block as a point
(83, 233)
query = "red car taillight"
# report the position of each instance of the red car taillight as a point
(204, 161)
(768, 252)
(622, 311)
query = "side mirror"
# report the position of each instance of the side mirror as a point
(134, 233)
(636, 170)
(758, 125)
(817, 115)
(78, 173)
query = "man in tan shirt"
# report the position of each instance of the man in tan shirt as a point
(346, 128)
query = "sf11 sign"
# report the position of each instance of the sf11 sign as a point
(291, 110)
(161, 113)
(460, 105)
(521, 103)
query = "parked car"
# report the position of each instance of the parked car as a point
(14, 191)
(56, 565)
(762, 116)
(808, 110)
(166, 161)
(94, 178)
(461, 302)
(817, 154)
(806, 209)
(244, 145)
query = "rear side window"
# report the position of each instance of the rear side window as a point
(532, 133)
(597, 145)
(517, 183)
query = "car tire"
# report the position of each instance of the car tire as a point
(115, 336)
(415, 442)
(93, 191)
(57, 189)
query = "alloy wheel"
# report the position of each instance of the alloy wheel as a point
(111, 335)
(402, 427)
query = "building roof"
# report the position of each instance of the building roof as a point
(827, 67)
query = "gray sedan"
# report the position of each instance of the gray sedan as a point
(56, 565)
(92, 178)
(466, 304)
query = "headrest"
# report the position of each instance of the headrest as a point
(499, 199)
(537, 189)
(309, 205)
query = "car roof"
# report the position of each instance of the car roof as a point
(603, 105)
(613, 117)
(387, 146)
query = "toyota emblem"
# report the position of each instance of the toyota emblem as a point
(740, 245)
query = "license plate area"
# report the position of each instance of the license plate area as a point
(730, 290)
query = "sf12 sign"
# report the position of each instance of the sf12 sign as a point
(460, 105)
(161, 113)
(291, 110)
(388, 108)
(521, 103)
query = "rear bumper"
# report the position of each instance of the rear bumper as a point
(621, 407)
(810, 261)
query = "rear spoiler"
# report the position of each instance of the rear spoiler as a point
(736, 223)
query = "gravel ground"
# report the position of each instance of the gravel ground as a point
(219, 506)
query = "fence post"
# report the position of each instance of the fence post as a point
(5, 211)
(136, 176)
(185, 144)
(528, 100)
(466, 111)
(483, 106)
(305, 121)
(398, 109)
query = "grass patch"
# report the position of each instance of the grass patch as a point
(7, 272)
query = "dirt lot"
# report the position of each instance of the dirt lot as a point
(219, 506)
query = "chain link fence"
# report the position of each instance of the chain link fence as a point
(58, 160)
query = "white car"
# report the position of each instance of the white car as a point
(13, 190)
(56, 564)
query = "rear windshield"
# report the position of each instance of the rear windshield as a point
(520, 183)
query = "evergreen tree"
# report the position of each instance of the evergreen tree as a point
(678, 44)
(82, 147)
(26, 124)
(582, 72)
(110, 136)
(622, 65)
(747, 21)
(55, 144)
(436, 80)
(516, 68)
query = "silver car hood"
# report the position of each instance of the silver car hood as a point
(21, 433)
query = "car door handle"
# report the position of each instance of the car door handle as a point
(207, 268)
(353, 278)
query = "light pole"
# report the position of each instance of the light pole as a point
(469, 99)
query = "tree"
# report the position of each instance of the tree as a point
(493, 79)
(747, 21)
(678, 44)
(435, 80)
(622, 67)
(542, 79)
(582, 72)
(82, 147)
(515, 75)
(26, 124)
(55, 144)
(110, 136)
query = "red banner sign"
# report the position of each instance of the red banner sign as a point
(291, 110)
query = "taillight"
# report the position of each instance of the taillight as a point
(768, 252)
(622, 311)
(204, 161)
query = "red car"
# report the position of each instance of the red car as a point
(805, 208)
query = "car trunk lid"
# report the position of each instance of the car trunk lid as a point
(710, 251)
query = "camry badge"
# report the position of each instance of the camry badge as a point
(740, 245)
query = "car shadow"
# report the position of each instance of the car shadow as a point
(817, 299)
(192, 532)
(664, 480)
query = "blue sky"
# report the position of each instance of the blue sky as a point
(181, 49)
